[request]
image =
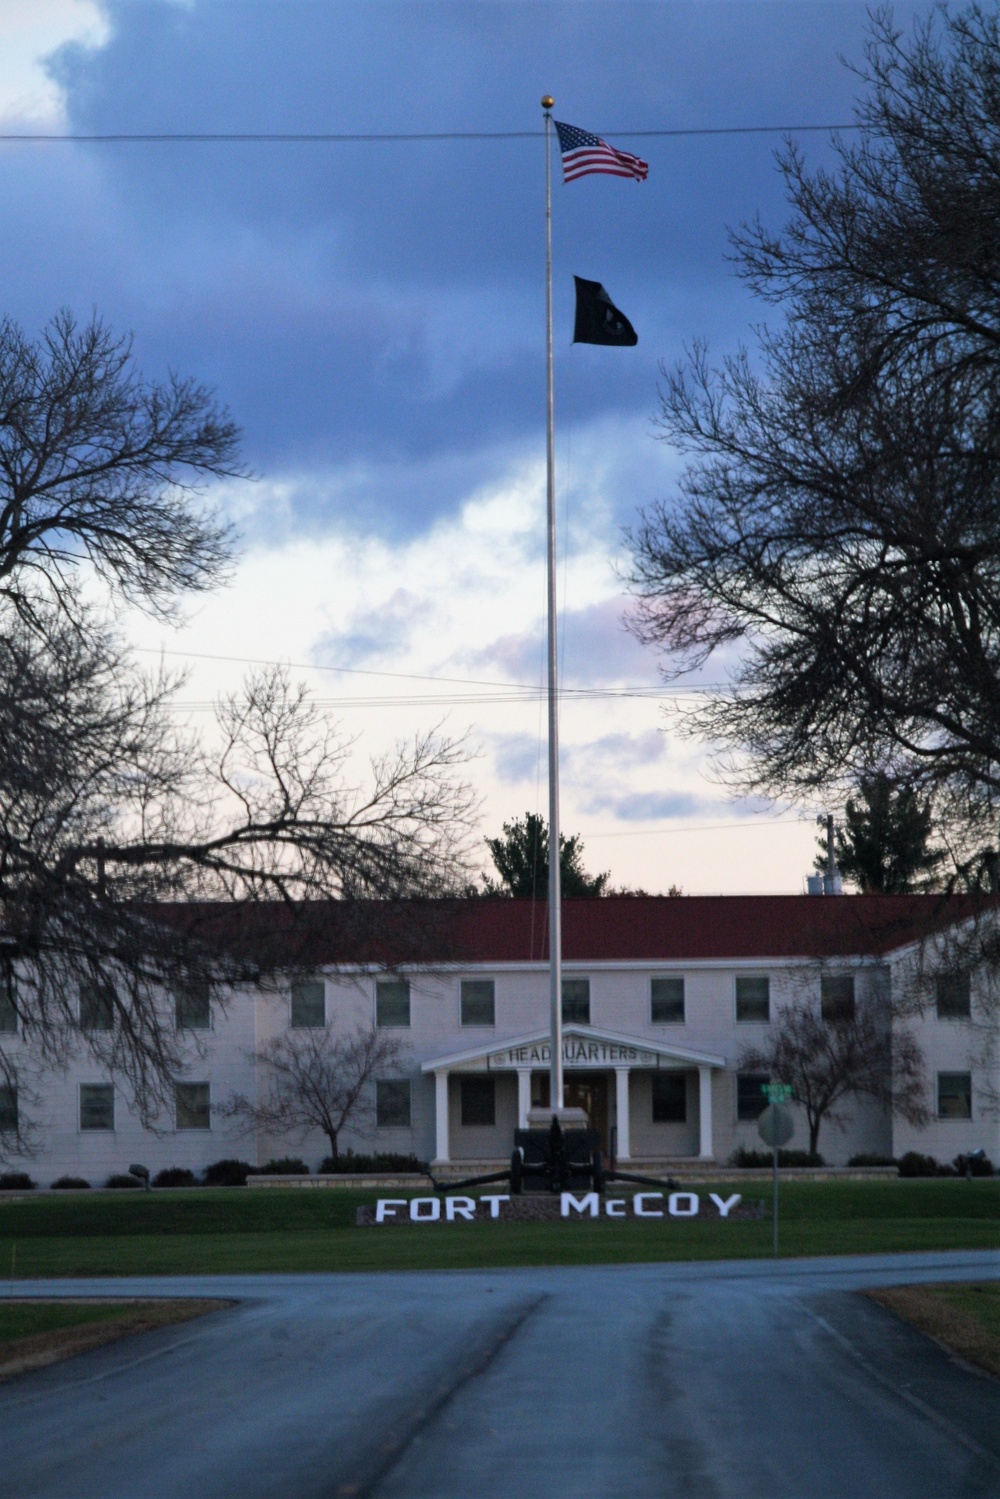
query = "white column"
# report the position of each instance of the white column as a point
(441, 1118)
(523, 1096)
(705, 1152)
(621, 1111)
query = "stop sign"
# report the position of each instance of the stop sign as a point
(776, 1125)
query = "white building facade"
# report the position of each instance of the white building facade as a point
(661, 997)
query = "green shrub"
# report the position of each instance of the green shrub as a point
(227, 1173)
(70, 1184)
(286, 1165)
(123, 1183)
(915, 1164)
(16, 1181)
(755, 1159)
(360, 1165)
(175, 1176)
(974, 1165)
(872, 1160)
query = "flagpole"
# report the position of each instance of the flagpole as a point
(556, 1099)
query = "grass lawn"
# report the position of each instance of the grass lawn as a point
(234, 1230)
(35, 1333)
(966, 1318)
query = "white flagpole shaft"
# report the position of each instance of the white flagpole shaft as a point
(556, 1099)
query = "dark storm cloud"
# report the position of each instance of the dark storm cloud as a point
(364, 304)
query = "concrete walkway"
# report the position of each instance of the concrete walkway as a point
(708, 1380)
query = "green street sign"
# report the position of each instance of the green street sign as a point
(777, 1092)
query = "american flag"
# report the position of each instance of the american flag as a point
(583, 153)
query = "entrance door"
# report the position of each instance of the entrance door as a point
(583, 1090)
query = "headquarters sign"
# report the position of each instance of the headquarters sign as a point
(576, 1052)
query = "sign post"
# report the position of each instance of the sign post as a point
(775, 1127)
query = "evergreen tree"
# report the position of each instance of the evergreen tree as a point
(883, 845)
(521, 856)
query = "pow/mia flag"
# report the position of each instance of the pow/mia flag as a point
(598, 320)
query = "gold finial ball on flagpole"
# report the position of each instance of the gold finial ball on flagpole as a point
(547, 101)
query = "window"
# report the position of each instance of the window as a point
(667, 1001)
(194, 1106)
(8, 1109)
(308, 1004)
(669, 1097)
(392, 1002)
(576, 1001)
(750, 1101)
(8, 1006)
(954, 1095)
(192, 1007)
(392, 1103)
(97, 1106)
(479, 1105)
(753, 998)
(478, 1002)
(836, 1001)
(97, 1007)
(953, 996)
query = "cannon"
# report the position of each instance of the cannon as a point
(555, 1160)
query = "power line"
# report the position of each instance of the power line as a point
(322, 137)
(449, 700)
(508, 689)
(705, 827)
(354, 671)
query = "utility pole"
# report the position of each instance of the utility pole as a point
(831, 877)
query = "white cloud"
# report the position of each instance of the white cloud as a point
(30, 30)
(465, 600)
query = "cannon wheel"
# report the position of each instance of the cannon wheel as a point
(516, 1169)
(598, 1170)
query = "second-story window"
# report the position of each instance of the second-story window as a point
(97, 1007)
(308, 1004)
(576, 1001)
(753, 998)
(478, 1002)
(953, 993)
(392, 1003)
(193, 1007)
(667, 1001)
(837, 998)
(8, 1001)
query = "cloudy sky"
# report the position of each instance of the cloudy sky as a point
(373, 315)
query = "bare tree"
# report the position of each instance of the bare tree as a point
(317, 1080)
(851, 1055)
(98, 464)
(139, 858)
(835, 532)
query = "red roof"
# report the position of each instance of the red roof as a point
(601, 930)
(691, 928)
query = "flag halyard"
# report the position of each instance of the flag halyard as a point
(583, 153)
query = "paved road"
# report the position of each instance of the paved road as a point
(705, 1381)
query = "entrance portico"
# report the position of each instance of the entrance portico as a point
(585, 1050)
